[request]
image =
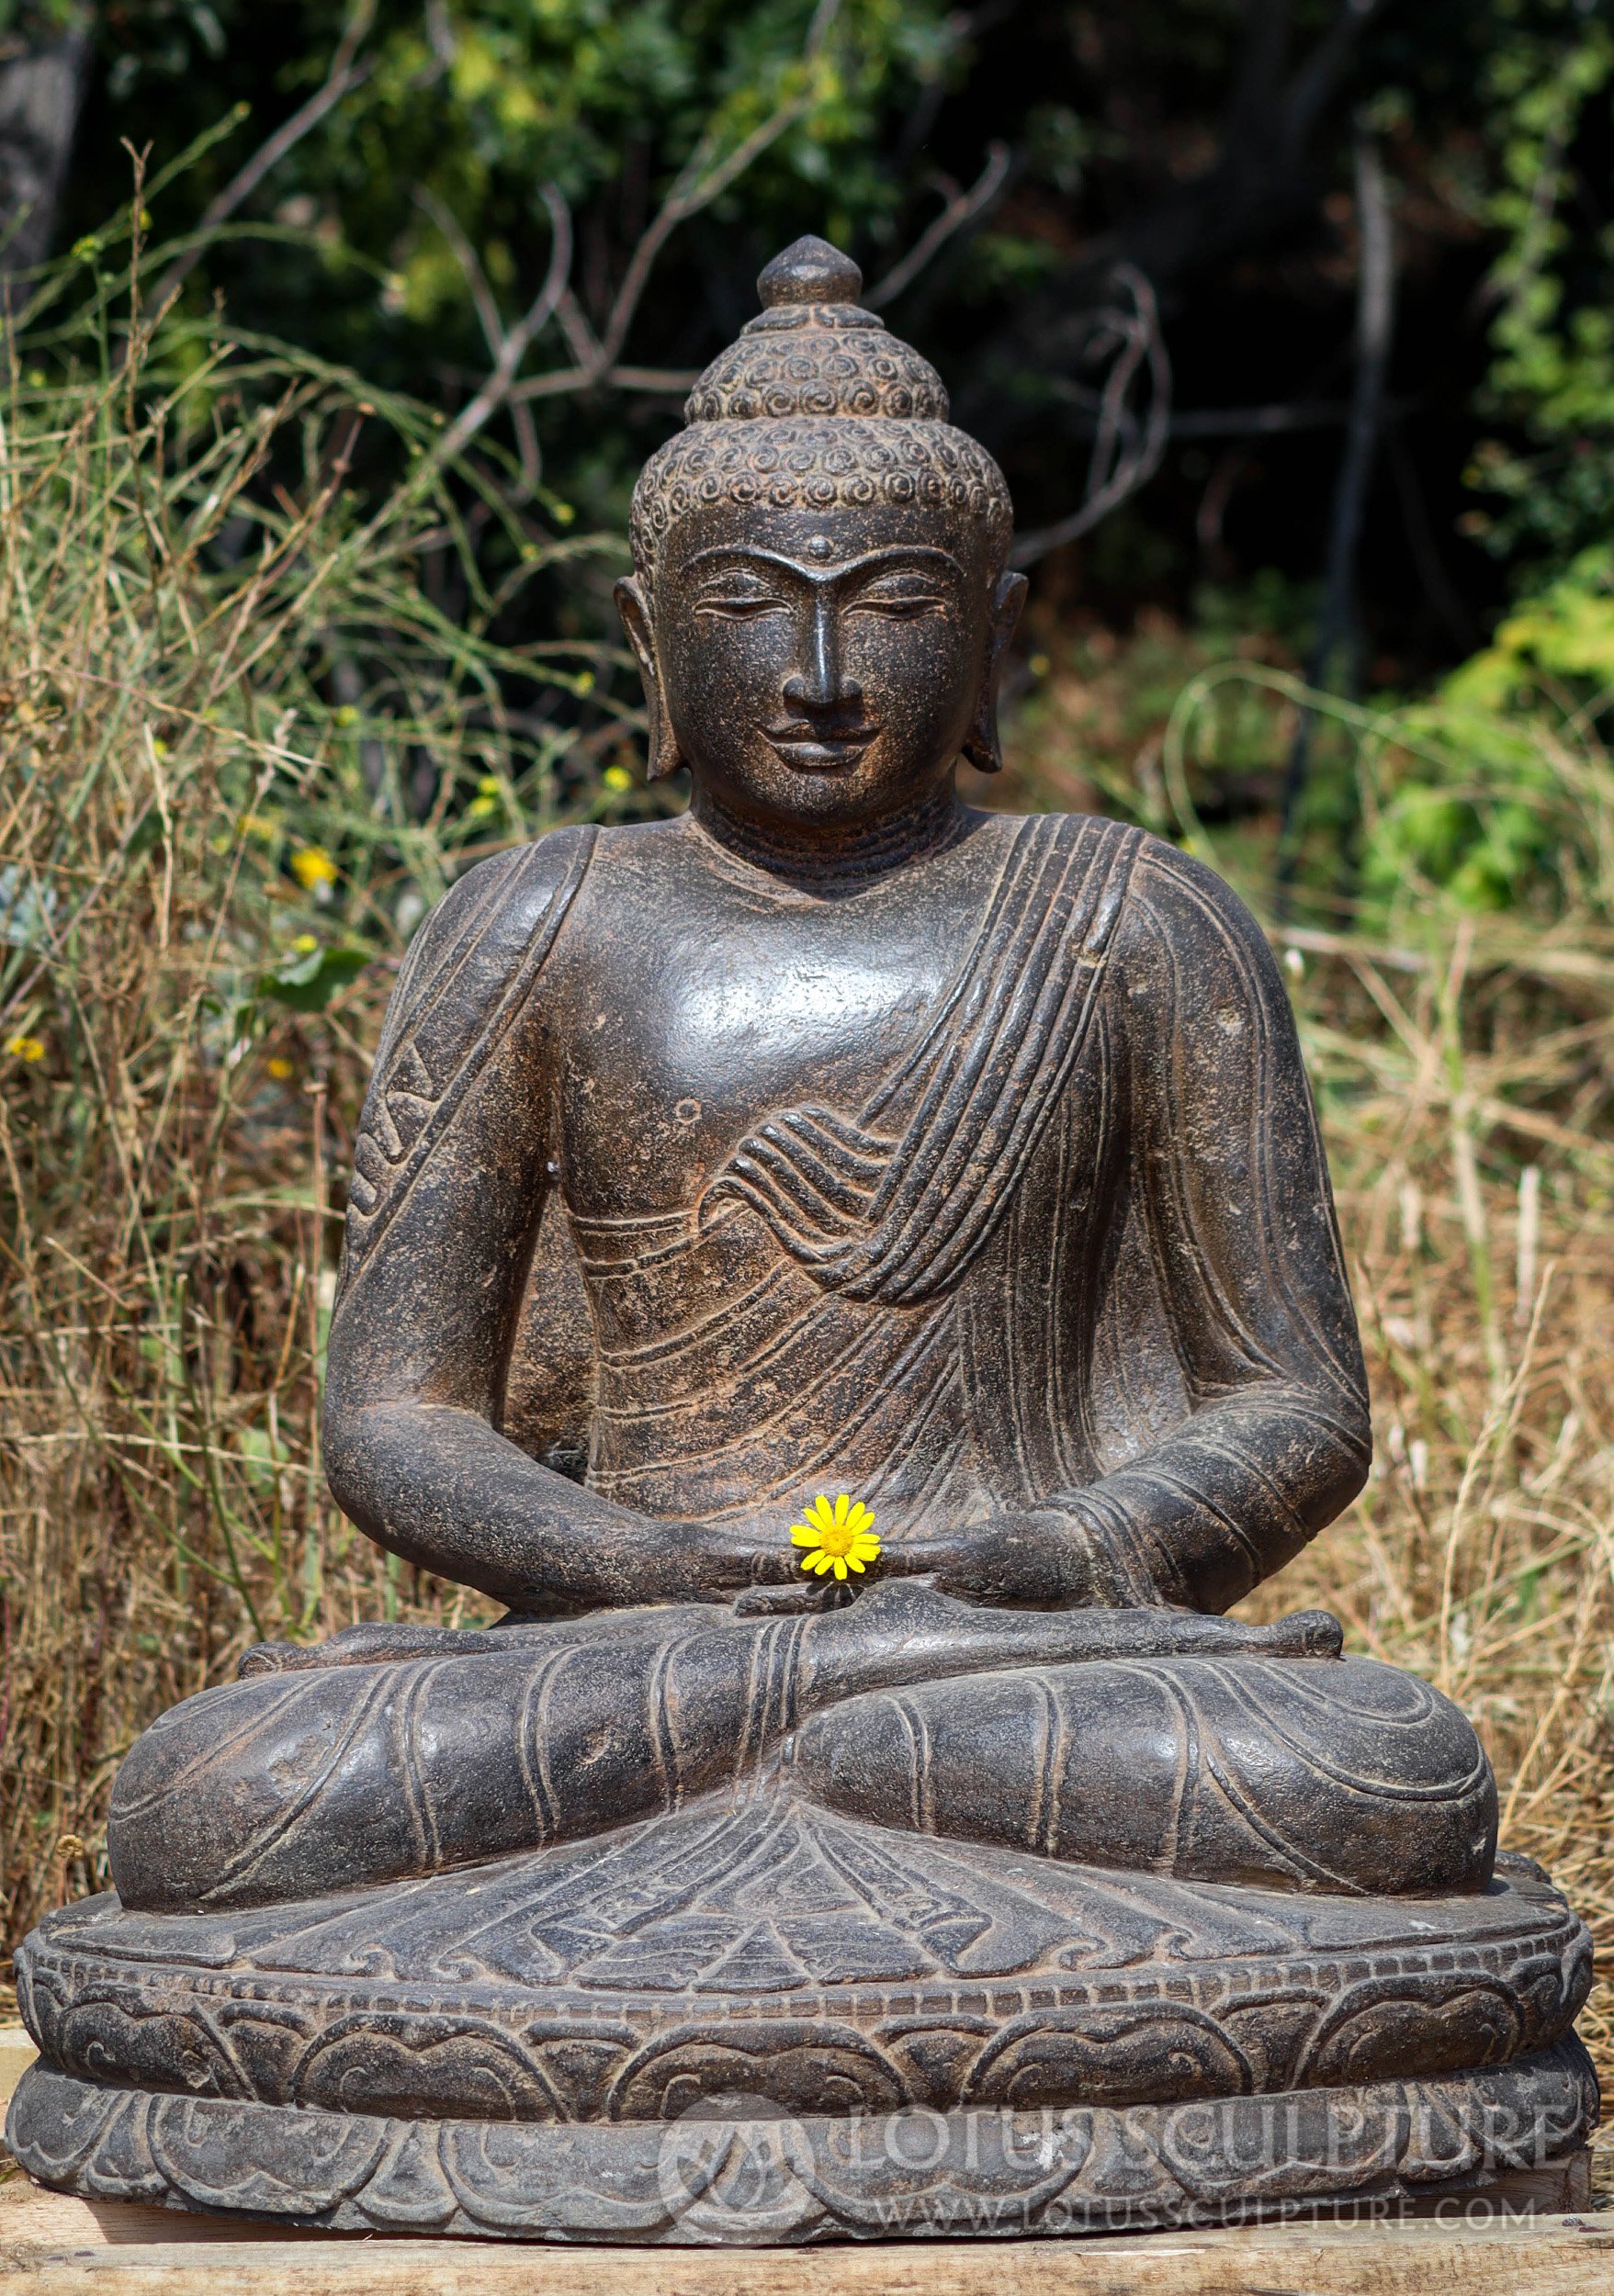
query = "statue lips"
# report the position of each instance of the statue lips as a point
(824, 748)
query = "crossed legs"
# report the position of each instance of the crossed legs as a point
(1147, 1739)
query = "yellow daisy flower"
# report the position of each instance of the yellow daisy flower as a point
(313, 867)
(839, 1535)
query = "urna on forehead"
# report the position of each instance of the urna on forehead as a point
(818, 406)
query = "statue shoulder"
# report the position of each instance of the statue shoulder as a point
(1181, 916)
(459, 1001)
(492, 926)
(506, 897)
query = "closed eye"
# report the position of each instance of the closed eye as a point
(740, 609)
(899, 609)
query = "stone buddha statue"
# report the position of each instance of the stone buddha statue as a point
(832, 1137)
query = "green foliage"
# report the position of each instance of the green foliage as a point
(1559, 641)
(1467, 809)
(470, 109)
(1493, 794)
(1550, 483)
(307, 978)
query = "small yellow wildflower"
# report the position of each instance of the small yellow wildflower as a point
(313, 866)
(279, 1068)
(256, 824)
(841, 1536)
(305, 944)
(617, 777)
(26, 1048)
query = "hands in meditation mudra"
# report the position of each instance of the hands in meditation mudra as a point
(831, 1137)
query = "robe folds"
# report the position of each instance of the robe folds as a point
(1071, 1250)
(1075, 1248)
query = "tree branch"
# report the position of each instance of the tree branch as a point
(596, 360)
(1323, 70)
(1255, 187)
(346, 73)
(508, 346)
(43, 82)
(1260, 67)
(1126, 448)
(961, 209)
(698, 183)
(657, 382)
(469, 262)
(1375, 314)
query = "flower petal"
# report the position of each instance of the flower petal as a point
(843, 1509)
(802, 1536)
(839, 1567)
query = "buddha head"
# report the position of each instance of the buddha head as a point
(820, 599)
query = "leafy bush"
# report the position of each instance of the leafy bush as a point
(1550, 481)
(1493, 794)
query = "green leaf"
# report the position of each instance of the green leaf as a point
(308, 979)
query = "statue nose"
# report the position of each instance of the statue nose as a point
(821, 693)
(821, 683)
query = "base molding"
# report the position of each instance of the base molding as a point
(54, 2244)
(734, 2176)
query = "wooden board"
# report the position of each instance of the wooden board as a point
(53, 2246)
(17, 2053)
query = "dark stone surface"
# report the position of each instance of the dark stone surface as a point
(736, 2178)
(817, 1962)
(833, 1137)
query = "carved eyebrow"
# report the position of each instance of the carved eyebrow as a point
(710, 574)
(890, 555)
(925, 575)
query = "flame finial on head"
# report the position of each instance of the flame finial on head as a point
(808, 271)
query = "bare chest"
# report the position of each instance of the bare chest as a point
(677, 1038)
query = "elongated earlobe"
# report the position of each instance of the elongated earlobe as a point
(981, 748)
(631, 604)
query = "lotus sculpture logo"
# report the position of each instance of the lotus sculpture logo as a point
(734, 2169)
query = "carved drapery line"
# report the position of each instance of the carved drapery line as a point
(419, 1088)
(899, 1218)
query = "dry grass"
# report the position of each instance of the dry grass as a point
(172, 737)
(1482, 1553)
(242, 745)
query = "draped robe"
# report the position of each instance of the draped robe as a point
(1075, 1248)
(1071, 1249)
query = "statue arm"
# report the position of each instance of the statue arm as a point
(1229, 1173)
(450, 1172)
